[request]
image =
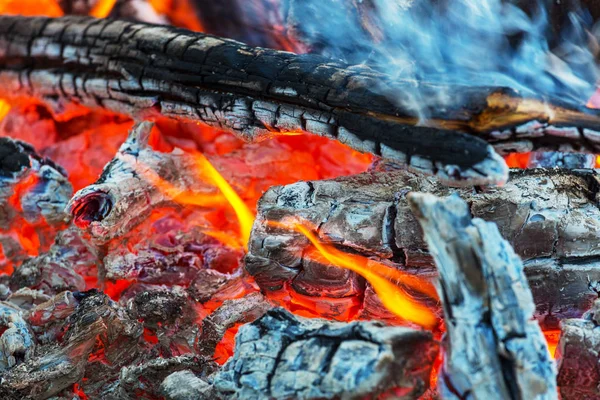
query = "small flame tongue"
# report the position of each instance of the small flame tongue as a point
(91, 207)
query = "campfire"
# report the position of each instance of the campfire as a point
(299, 199)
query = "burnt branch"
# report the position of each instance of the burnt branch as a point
(284, 356)
(540, 212)
(493, 347)
(143, 70)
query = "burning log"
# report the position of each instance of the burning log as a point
(577, 356)
(112, 205)
(256, 93)
(493, 347)
(284, 356)
(542, 213)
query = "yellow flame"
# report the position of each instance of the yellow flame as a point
(244, 215)
(102, 8)
(4, 109)
(381, 277)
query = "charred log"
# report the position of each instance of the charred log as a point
(493, 347)
(112, 205)
(243, 310)
(577, 356)
(141, 69)
(540, 212)
(284, 356)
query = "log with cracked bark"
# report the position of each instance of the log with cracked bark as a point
(549, 216)
(285, 356)
(144, 69)
(493, 347)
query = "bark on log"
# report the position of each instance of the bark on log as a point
(143, 69)
(549, 216)
(493, 347)
(577, 357)
(285, 356)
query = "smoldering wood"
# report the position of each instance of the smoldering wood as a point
(150, 375)
(285, 356)
(256, 93)
(123, 196)
(577, 356)
(58, 366)
(549, 216)
(243, 310)
(60, 268)
(493, 347)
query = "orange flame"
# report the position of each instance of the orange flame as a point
(4, 108)
(384, 280)
(49, 8)
(102, 8)
(552, 340)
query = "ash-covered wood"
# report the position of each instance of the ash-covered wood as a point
(231, 312)
(284, 356)
(577, 356)
(493, 348)
(549, 216)
(61, 268)
(141, 69)
(126, 192)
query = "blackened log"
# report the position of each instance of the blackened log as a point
(577, 356)
(549, 216)
(284, 356)
(256, 93)
(493, 347)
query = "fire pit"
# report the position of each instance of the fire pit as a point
(299, 199)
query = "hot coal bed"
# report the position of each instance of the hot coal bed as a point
(298, 199)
